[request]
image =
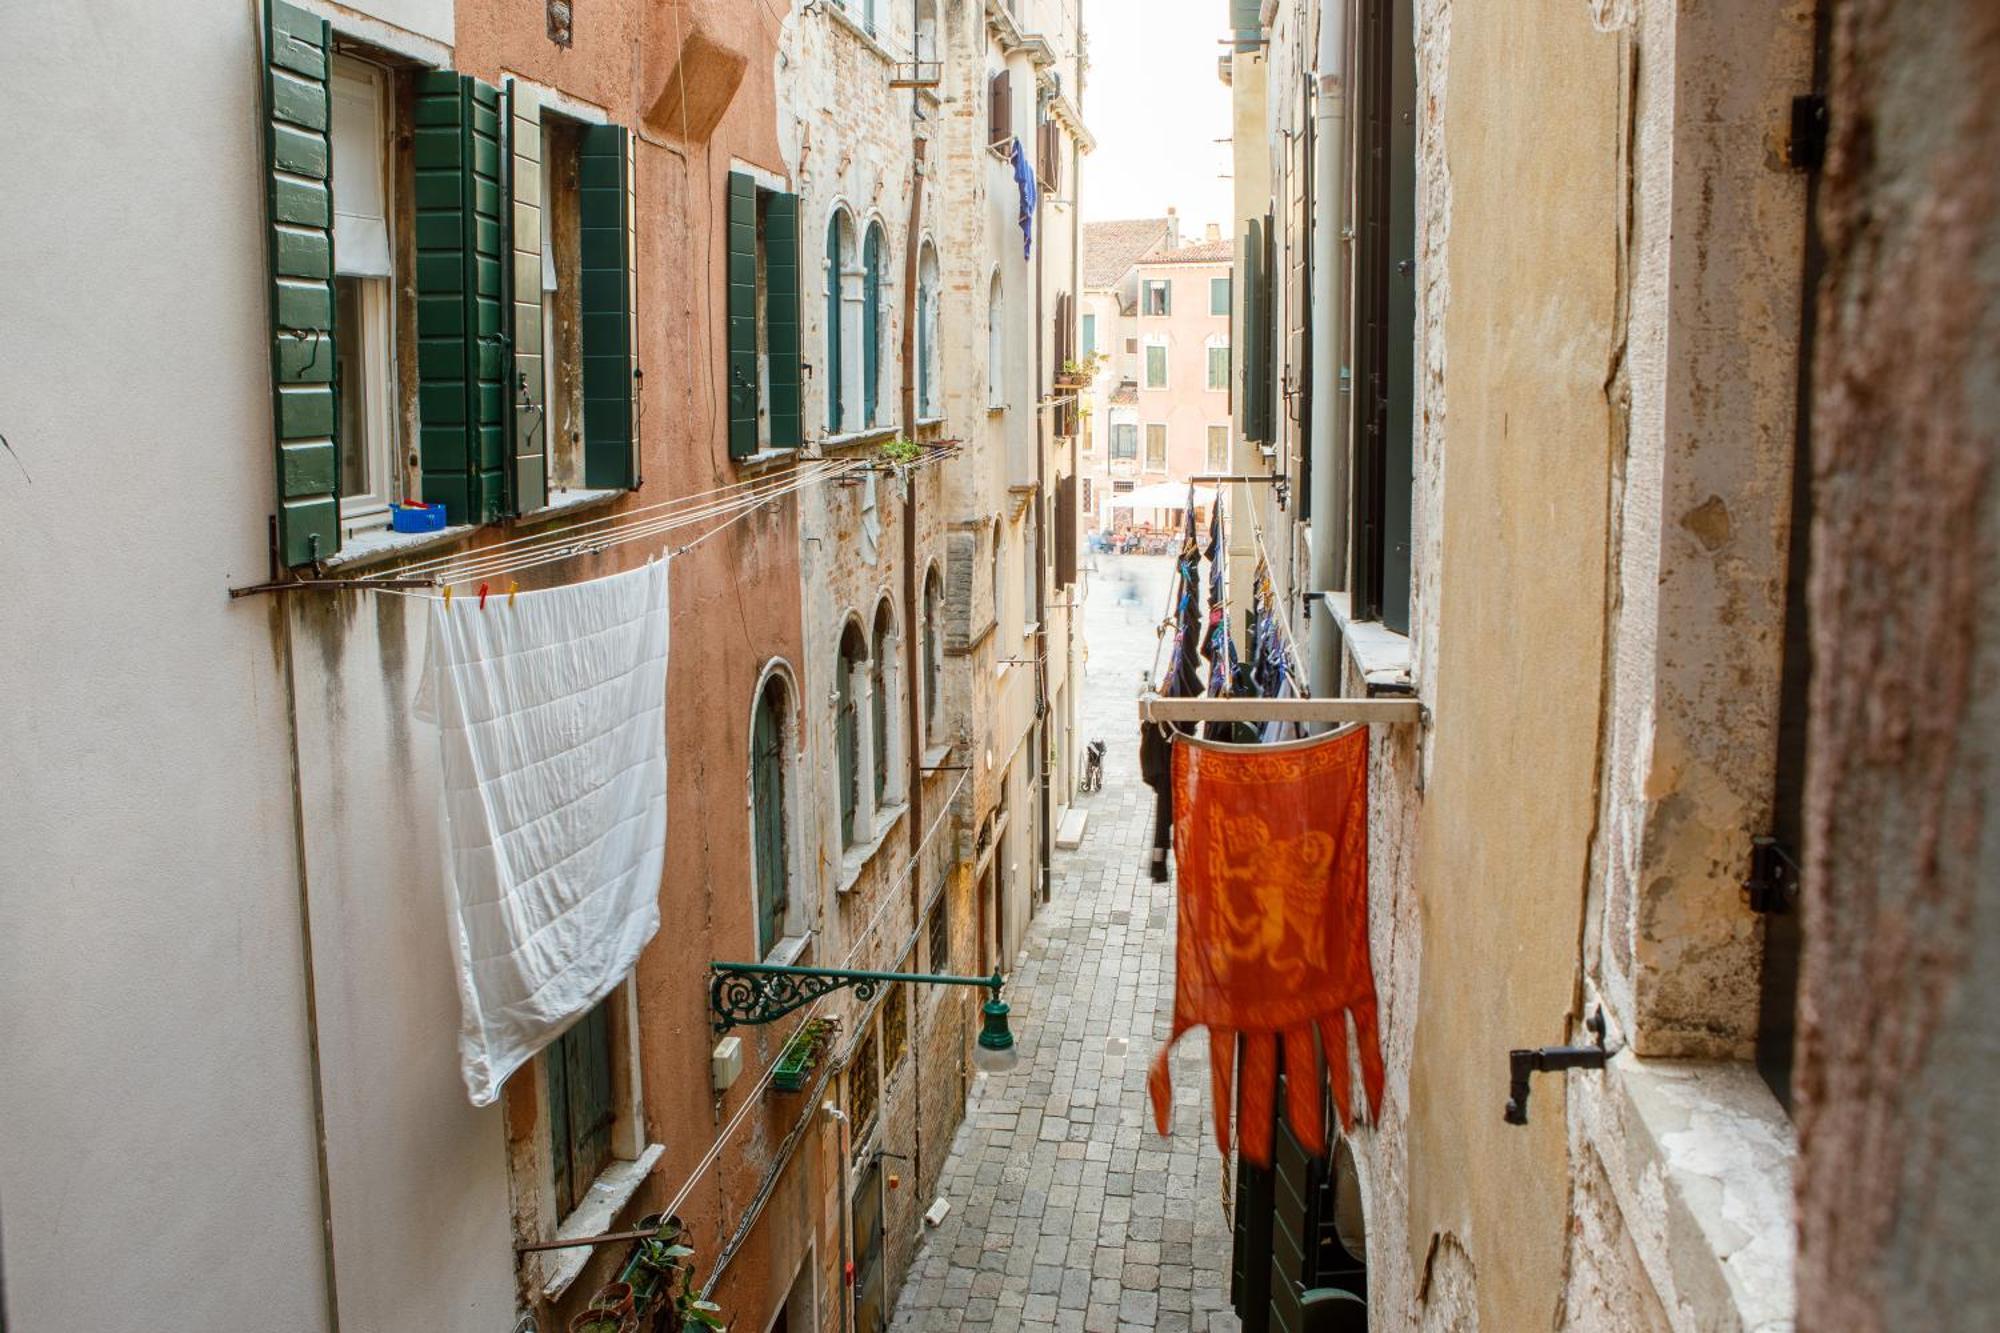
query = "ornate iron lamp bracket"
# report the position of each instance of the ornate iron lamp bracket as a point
(751, 994)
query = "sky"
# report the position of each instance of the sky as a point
(1154, 102)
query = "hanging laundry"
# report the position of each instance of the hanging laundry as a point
(551, 717)
(1217, 645)
(1183, 680)
(1024, 177)
(1272, 936)
(1272, 669)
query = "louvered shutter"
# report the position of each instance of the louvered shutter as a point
(871, 327)
(1000, 109)
(836, 417)
(605, 211)
(1251, 336)
(782, 318)
(742, 314)
(529, 478)
(461, 345)
(298, 166)
(1066, 517)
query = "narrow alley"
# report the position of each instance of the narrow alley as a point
(1067, 1209)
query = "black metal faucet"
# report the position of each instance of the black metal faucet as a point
(1552, 1059)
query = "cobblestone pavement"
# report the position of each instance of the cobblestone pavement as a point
(1067, 1210)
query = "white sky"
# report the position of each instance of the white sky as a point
(1157, 108)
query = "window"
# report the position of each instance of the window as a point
(1158, 297)
(847, 688)
(765, 375)
(871, 325)
(1156, 364)
(581, 1107)
(363, 302)
(896, 1023)
(882, 692)
(1090, 333)
(1156, 446)
(839, 243)
(1089, 497)
(928, 408)
(999, 583)
(1029, 583)
(996, 345)
(1000, 110)
(1124, 439)
(770, 846)
(1218, 448)
(1218, 365)
(1122, 487)
(1131, 347)
(933, 681)
(1218, 296)
(940, 932)
(863, 1089)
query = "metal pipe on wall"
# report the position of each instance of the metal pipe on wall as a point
(1328, 570)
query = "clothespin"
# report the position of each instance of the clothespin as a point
(513, 586)
(447, 597)
(482, 597)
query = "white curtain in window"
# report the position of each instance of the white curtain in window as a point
(360, 192)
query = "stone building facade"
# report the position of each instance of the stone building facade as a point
(253, 872)
(1560, 313)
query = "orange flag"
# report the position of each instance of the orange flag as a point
(1272, 847)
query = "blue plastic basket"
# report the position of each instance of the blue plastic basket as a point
(411, 518)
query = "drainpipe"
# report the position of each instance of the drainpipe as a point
(1070, 672)
(1046, 801)
(1329, 343)
(912, 586)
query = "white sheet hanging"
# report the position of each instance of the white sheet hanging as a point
(551, 716)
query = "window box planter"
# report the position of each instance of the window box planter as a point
(802, 1055)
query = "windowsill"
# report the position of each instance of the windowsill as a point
(766, 460)
(1381, 655)
(788, 951)
(562, 502)
(855, 859)
(1710, 1137)
(854, 438)
(383, 544)
(995, 409)
(609, 1193)
(938, 420)
(934, 757)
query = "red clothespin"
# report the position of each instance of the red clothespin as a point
(482, 597)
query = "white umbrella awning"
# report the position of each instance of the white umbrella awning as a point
(1165, 495)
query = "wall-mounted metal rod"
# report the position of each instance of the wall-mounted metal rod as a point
(1158, 708)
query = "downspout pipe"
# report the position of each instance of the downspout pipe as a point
(1045, 850)
(912, 583)
(1330, 300)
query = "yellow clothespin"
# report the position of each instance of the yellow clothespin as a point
(447, 597)
(513, 586)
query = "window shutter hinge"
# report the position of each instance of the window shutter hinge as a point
(1773, 884)
(1806, 150)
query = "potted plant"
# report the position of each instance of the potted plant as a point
(801, 1055)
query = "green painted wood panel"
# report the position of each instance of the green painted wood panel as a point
(605, 208)
(767, 748)
(742, 314)
(871, 327)
(528, 471)
(299, 202)
(783, 317)
(834, 370)
(461, 296)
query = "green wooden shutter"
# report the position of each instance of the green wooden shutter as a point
(768, 788)
(461, 297)
(1255, 423)
(871, 327)
(879, 716)
(847, 745)
(742, 314)
(605, 211)
(835, 418)
(298, 162)
(783, 309)
(528, 478)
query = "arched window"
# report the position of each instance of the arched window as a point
(871, 324)
(927, 333)
(847, 689)
(839, 243)
(933, 686)
(996, 345)
(770, 847)
(884, 694)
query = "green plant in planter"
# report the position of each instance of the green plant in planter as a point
(661, 1275)
(801, 1055)
(902, 452)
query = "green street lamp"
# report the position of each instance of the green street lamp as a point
(752, 994)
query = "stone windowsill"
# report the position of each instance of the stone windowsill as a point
(855, 859)
(379, 545)
(609, 1193)
(788, 950)
(938, 420)
(934, 757)
(855, 438)
(1381, 655)
(1709, 1141)
(766, 459)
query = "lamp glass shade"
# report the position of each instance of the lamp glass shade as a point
(995, 1052)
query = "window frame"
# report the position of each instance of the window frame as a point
(853, 661)
(773, 699)
(1124, 442)
(1219, 383)
(374, 303)
(1218, 462)
(996, 344)
(1151, 345)
(1155, 431)
(1222, 288)
(1156, 298)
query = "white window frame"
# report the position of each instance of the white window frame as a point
(374, 435)
(1216, 343)
(1218, 464)
(1146, 460)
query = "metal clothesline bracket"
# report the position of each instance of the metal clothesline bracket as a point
(328, 585)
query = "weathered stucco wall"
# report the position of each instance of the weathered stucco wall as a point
(1899, 1085)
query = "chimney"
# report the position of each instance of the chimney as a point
(1214, 232)
(1173, 229)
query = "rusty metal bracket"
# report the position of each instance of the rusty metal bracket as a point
(1522, 1064)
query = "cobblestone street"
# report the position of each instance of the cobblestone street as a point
(1067, 1210)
